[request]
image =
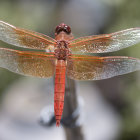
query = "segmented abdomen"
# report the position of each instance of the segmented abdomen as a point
(59, 90)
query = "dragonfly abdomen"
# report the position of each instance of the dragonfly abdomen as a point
(59, 90)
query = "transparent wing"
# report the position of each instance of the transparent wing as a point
(80, 67)
(28, 63)
(24, 38)
(107, 42)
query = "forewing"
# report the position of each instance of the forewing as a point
(24, 38)
(28, 63)
(80, 67)
(107, 42)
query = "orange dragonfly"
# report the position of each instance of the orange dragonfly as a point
(62, 56)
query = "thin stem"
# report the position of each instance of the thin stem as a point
(71, 104)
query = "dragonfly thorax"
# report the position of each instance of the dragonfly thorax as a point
(62, 50)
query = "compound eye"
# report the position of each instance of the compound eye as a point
(58, 29)
(67, 29)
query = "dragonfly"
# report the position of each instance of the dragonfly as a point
(65, 55)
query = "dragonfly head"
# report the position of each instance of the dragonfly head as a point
(62, 27)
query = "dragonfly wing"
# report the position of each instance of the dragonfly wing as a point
(24, 38)
(28, 63)
(107, 42)
(80, 67)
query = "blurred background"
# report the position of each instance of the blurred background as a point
(109, 109)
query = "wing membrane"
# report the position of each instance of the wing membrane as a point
(80, 67)
(28, 63)
(24, 38)
(107, 42)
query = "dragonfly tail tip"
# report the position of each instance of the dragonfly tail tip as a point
(57, 123)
